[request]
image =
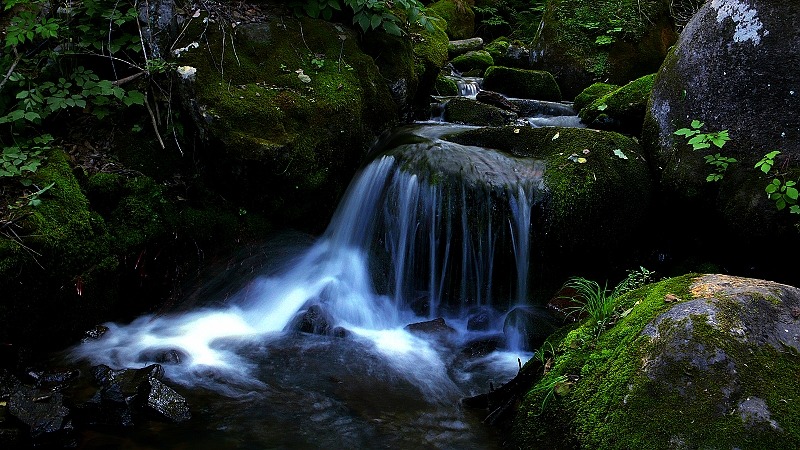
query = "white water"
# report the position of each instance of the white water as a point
(390, 219)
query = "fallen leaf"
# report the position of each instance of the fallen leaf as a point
(582, 160)
(669, 298)
(556, 136)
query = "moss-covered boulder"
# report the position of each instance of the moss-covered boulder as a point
(459, 16)
(596, 196)
(99, 248)
(521, 83)
(472, 112)
(478, 60)
(461, 46)
(614, 41)
(620, 110)
(445, 86)
(592, 93)
(734, 69)
(287, 110)
(509, 53)
(697, 361)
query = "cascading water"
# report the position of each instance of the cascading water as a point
(427, 229)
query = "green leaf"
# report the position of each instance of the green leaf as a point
(392, 28)
(375, 21)
(791, 193)
(770, 188)
(686, 132)
(697, 124)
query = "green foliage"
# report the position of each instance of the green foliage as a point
(490, 15)
(43, 78)
(700, 141)
(780, 190)
(390, 17)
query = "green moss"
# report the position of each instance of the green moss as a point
(498, 47)
(470, 112)
(521, 83)
(289, 135)
(445, 86)
(592, 93)
(475, 60)
(459, 16)
(615, 404)
(622, 109)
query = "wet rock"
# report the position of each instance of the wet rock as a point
(481, 320)
(314, 320)
(496, 99)
(128, 396)
(52, 378)
(622, 109)
(527, 327)
(522, 83)
(435, 326)
(42, 411)
(164, 356)
(529, 107)
(95, 333)
(461, 46)
(470, 112)
(482, 347)
(476, 61)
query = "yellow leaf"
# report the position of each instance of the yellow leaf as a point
(581, 160)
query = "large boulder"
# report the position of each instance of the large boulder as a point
(622, 109)
(522, 83)
(734, 68)
(697, 361)
(594, 197)
(459, 16)
(472, 112)
(584, 41)
(287, 110)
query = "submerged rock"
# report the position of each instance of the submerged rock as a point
(314, 320)
(436, 326)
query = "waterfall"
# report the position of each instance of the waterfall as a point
(426, 230)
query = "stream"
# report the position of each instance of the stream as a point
(316, 351)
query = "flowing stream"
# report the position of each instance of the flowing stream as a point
(427, 229)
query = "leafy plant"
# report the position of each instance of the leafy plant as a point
(699, 140)
(783, 192)
(391, 17)
(597, 303)
(559, 385)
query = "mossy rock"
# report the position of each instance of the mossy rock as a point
(461, 46)
(288, 125)
(697, 361)
(620, 110)
(597, 193)
(478, 60)
(445, 86)
(521, 83)
(471, 112)
(581, 42)
(498, 47)
(592, 93)
(745, 83)
(459, 16)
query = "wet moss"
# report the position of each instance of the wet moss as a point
(592, 93)
(498, 47)
(459, 16)
(621, 110)
(473, 61)
(616, 401)
(445, 86)
(291, 109)
(521, 83)
(471, 112)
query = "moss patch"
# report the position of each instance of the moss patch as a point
(630, 391)
(621, 110)
(592, 93)
(521, 83)
(459, 16)
(471, 112)
(473, 61)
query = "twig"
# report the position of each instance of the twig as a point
(139, 26)
(127, 79)
(110, 22)
(303, 36)
(11, 69)
(153, 119)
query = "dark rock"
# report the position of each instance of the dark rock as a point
(482, 347)
(529, 107)
(522, 83)
(527, 327)
(734, 68)
(496, 99)
(481, 320)
(471, 112)
(52, 378)
(167, 404)
(622, 109)
(164, 356)
(8, 356)
(95, 333)
(340, 332)
(42, 411)
(435, 326)
(126, 396)
(314, 320)
(563, 306)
